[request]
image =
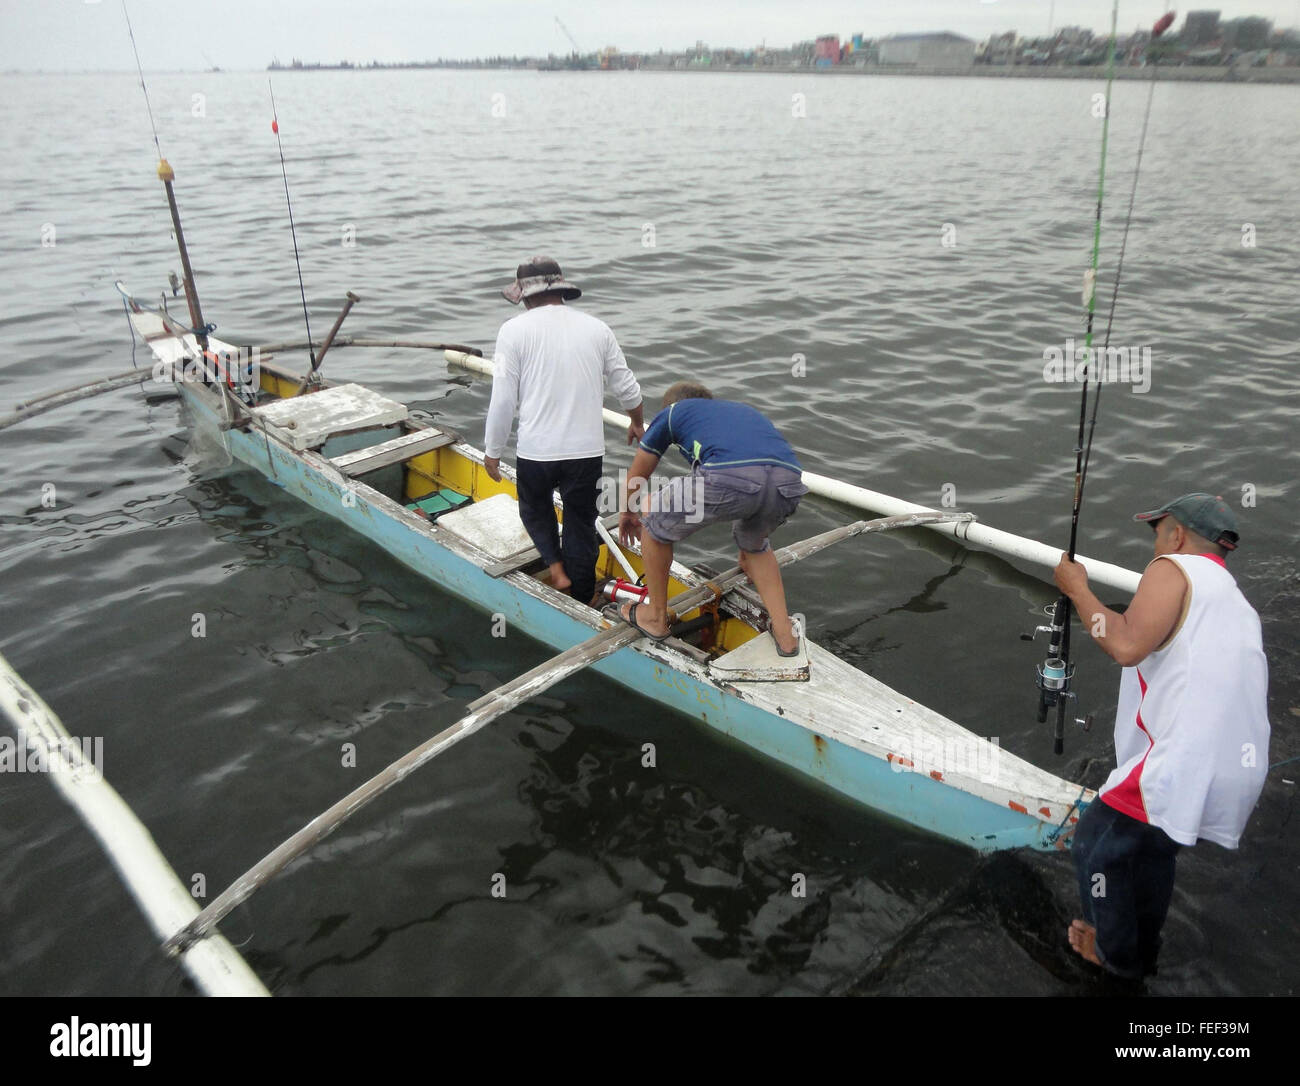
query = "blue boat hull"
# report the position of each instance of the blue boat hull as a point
(914, 798)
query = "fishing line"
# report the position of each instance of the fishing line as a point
(275, 127)
(1119, 271)
(140, 69)
(1090, 283)
(1055, 674)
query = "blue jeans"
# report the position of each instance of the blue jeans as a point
(1126, 880)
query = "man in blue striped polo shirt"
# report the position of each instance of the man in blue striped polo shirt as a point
(742, 470)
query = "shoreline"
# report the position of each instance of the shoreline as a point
(1181, 74)
(1171, 74)
(1185, 74)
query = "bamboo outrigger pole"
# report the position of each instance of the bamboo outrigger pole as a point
(48, 401)
(1005, 543)
(490, 706)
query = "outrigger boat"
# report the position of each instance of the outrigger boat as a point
(422, 493)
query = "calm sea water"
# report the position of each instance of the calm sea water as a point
(726, 229)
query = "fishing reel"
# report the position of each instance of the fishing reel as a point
(1055, 674)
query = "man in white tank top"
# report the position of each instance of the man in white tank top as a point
(1191, 729)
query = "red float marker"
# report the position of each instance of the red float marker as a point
(275, 127)
(1162, 24)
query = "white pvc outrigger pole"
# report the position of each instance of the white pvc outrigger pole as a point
(215, 966)
(1005, 543)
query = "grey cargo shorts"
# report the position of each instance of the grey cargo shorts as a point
(756, 498)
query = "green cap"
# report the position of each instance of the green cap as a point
(1206, 515)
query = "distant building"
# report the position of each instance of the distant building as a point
(803, 54)
(1073, 35)
(827, 50)
(1249, 33)
(1200, 28)
(1001, 49)
(942, 50)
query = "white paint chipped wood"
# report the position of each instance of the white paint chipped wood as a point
(394, 451)
(758, 660)
(304, 422)
(492, 525)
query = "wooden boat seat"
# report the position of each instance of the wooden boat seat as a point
(305, 422)
(494, 527)
(360, 461)
(491, 525)
(529, 555)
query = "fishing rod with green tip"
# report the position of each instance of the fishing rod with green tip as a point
(1056, 674)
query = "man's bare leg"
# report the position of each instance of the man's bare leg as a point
(559, 579)
(1083, 938)
(764, 571)
(652, 616)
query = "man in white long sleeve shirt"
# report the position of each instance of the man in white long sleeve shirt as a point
(551, 367)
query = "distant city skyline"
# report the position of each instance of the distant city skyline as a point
(81, 35)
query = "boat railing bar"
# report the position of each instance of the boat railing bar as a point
(216, 967)
(354, 341)
(994, 539)
(490, 706)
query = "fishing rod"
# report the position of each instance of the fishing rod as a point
(316, 359)
(167, 175)
(1056, 674)
(199, 328)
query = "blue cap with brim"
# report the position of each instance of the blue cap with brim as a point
(1206, 515)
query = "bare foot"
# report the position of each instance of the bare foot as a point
(1083, 939)
(643, 619)
(559, 579)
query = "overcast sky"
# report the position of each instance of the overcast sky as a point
(78, 35)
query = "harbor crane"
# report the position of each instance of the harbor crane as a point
(572, 41)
